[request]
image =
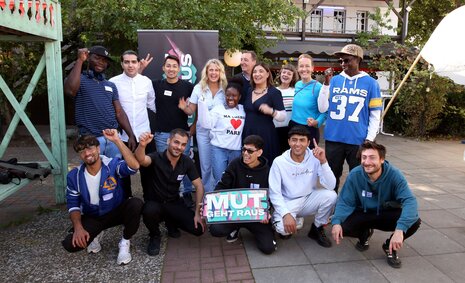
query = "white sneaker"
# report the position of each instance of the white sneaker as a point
(300, 222)
(95, 246)
(124, 256)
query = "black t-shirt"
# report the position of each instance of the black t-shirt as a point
(163, 183)
(169, 116)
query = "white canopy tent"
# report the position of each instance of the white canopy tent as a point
(444, 50)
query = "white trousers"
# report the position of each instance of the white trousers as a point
(319, 202)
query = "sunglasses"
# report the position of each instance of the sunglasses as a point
(249, 151)
(345, 61)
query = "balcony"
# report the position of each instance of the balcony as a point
(40, 18)
(335, 28)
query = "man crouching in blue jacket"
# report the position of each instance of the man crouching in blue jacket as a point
(96, 199)
(376, 196)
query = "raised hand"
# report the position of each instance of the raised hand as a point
(83, 54)
(319, 152)
(328, 75)
(145, 62)
(111, 135)
(145, 138)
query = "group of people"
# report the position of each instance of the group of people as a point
(250, 134)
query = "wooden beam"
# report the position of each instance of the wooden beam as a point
(395, 11)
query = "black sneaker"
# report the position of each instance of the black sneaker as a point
(285, 237)
(392, 259)
(362, 244)
(188, 200)
(318, 234)
(174, 232)
(153, 248)
(233, 236)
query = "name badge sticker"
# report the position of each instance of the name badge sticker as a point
(107, 196)
(108, 88)
(180, 177)
(168, 93)
(369, 194)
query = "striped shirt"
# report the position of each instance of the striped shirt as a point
(94, 110)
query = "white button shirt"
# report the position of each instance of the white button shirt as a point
(135, 95)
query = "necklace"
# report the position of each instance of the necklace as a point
(260, 92)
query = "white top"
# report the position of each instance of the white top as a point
(135, 95)
(207, 97)
(290, 180)
(288, 98)
(93, 186)
(225, 124)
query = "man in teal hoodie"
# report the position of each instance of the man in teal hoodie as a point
(376, 196)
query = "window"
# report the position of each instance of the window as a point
(316, 21)
(339, 21)
(362, 21)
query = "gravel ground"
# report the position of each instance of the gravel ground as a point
(32, 251)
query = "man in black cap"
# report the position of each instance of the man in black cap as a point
(97, 105)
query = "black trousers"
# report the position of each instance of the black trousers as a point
(263, 233)
(175, 214)
(128, 214)
(358, 223)
(314, 132)
(144, 173)
(336, 153)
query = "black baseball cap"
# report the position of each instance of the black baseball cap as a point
(101, 51)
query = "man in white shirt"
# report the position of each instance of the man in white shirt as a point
(293, 187)
(136, 95)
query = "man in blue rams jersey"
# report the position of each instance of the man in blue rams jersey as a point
(354, 108)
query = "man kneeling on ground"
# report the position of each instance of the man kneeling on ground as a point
(293, 187)
(249, 171)
(96, 199)
(376, 196)
(166, 170)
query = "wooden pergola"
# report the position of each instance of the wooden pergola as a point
(37, 21)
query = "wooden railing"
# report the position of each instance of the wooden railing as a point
(33, 17)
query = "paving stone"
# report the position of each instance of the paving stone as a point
(450, 264)
(294, 274)
(414, 269)
(288, 254)
(456, 234)
(447, 201)
(441, 219)
(431, 242)
(354, 271)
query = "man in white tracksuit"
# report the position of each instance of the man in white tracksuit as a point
(293, 187)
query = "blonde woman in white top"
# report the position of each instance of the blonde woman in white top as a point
(211, 90)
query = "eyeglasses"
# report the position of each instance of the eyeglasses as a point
(345, 61)
(249, 151)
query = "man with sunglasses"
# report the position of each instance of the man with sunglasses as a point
(353, 102)
(95, 198)
(249, 171)
(293, 187)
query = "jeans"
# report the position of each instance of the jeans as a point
(222, 157)
(161, 141)
(205, 156)
(108, 148)
(336, 153)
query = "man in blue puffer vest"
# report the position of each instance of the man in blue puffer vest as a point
(376, 196)
(95, 198)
